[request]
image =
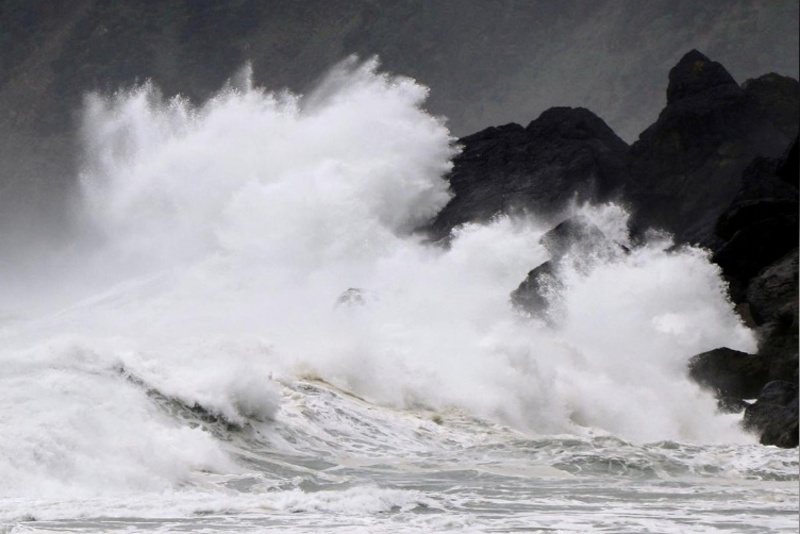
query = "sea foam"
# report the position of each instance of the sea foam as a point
(219, 238)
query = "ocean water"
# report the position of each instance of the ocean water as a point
(247, 335)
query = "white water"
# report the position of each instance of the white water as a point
(218, 241)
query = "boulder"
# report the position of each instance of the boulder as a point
(774, 415)
(782, 430)
(730, 373)
(759, 258)
(566, 154)
(575, 240)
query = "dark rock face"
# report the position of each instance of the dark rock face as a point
(686, 168)
(774, 415)
(575, 241)
(745, 254)
(776, 97)
(778, 392)
(713, 170)
(774, 290)
(759, 227)
(694, 75)
(772, 297)
(535, 292)
(759, 258)
(574, 233)
(720, 136)
(730, 373)
(782, 431)
(564, 155)
(762, 195)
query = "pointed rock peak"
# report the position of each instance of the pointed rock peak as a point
(694, 74)
(572, 123)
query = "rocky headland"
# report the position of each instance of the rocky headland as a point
(718, 169)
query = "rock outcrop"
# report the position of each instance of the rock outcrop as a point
(575, 242)
(754, 237)
(713, 170)
(772, 298)
(774, 415)
(731, 374)
(687, 167)
(759, 227)
(566, 154)
(759, 258)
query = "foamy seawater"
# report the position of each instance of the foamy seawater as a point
(248, 336)
(331, 462)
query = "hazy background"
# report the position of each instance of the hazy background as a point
(487, 62)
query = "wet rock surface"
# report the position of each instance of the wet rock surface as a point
(730, 373)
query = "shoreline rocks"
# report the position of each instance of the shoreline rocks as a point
(729, 373)
(713, 170)
(687, 167)
(774, 415)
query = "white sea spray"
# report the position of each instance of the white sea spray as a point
(222, 236)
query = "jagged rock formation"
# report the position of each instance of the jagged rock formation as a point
(686, 168)
(575, 242)
(774, 415)
(680, 176)
(772, 297)
(732, 374)
(566, 154)
(713, 170)
(759, 227)
(759, 258)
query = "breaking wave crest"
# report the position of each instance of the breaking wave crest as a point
(263, 238)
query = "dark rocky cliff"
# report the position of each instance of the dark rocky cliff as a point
(686, 168)
(566, 154)
(719, 168)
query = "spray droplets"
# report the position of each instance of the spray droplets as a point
(228, 232)
(280, 203)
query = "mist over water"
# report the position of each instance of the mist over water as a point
(220, 238)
